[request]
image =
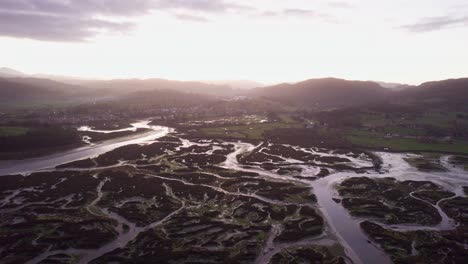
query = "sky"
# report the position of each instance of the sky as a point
(269, 41)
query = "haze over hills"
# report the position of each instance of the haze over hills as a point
(8, 72)
(233, 131)
(317, 93)
(451, 90)
(135, 85)
(120, 87)
(48, 84)
(11, 91)
(332, 92)
(395, 86)
(324, 92)
(163, 98)
(238, 84)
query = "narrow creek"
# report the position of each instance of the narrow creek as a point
(50, 161)
(340, 225)
(124, 236)
(346, 228)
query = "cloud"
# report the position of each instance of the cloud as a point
(436, 23)
(192, 18)
(297, 13)
(340, 4)
(199, 5)
(80, 20)
(78, 8)
(55, 28)
(290, 12)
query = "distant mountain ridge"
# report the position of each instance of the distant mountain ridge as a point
(445, 90)
(38, 91)
(126, 86)
(238, 84)
(122, 86)
(325, 92)
(313, 93)
(395, 86)
(8, 72)
(49, 85)
(11, 91)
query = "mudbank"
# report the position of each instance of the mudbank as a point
(196, 201)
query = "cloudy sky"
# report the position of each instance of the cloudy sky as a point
(264, 40)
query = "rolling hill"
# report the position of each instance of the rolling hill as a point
(25, 92)
(8, 72)
(327, 92)
(121, 87)
(19, 92)
(335, 93)
(11, 90)
(452, 90)
(163, 98)
(127, 86)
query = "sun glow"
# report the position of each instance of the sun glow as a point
(354, 41)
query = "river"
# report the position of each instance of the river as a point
(51, 161)
(340, 223)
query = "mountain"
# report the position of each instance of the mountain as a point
(326, 92)
(449, 89)
(135, 93)
(332, 92)
(8, 72)
(19, 91)
(125, 86)
(238, 84)
(11, 91)
(164, 98)
(395, 86)
(50, 85)
(149, 102)
(452, 90)
(135, 85)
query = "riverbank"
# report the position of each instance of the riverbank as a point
(53, 160)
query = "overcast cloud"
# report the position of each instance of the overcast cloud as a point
(57, 20)
(436, 23)
(81, 20)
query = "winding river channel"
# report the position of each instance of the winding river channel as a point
(340, 225)
(51, 161)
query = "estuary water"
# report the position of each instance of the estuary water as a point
(50, 161)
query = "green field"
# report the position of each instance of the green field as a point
(403, 144)
(444, 120)
(286, 118)
(253, 131)
(432, 124)
(11, 131)
(358, 137)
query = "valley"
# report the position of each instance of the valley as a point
(166, 195)
(321, 171)
(233, 132)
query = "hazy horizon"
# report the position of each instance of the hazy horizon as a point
(234, 131)
(264, 41)
(236, 82)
